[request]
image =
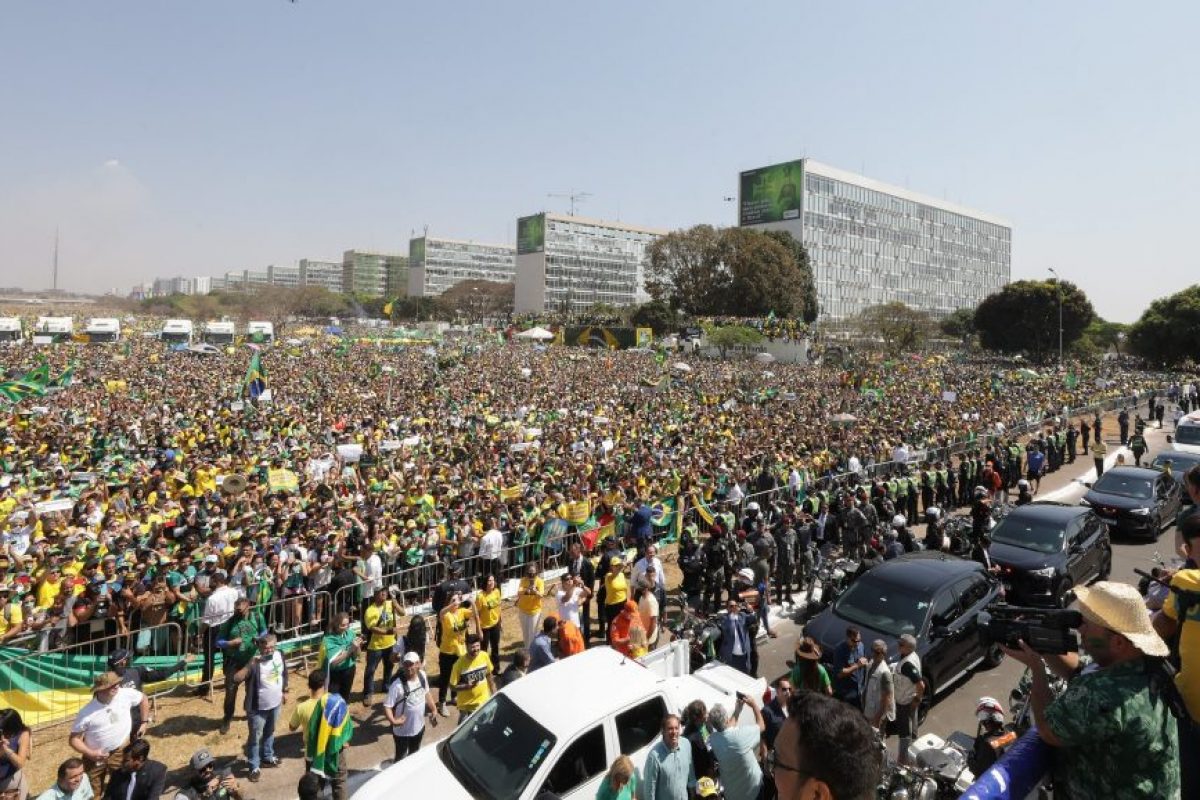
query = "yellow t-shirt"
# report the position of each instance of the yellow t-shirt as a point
(380, 617)
(47, 592)
(616, 588)
(530, 603)
(10, 617)
(488, 604)
(454, 632)
(1188, 680)
(300, 717)
(472, 670)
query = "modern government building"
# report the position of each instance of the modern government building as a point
(567, 263)
(435, 264)
(871, 243)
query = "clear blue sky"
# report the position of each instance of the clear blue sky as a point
(171, 138)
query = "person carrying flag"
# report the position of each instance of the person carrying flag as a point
(329, 730)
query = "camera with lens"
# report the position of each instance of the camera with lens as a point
(1046, 631)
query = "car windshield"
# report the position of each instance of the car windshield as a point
(1187, 434)
(496, 752)
(883, 607)
(1180, 463)
(1041, 536)
(1124, 485)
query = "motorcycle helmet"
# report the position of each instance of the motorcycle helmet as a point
(707, 787)
(1022, 484)
(899, 521)
(989, 710)
(752, 506)
(980, 492)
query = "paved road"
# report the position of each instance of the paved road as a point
(954, 710)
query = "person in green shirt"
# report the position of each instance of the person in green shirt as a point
(236, 639)
(621, 782)
(338, 655)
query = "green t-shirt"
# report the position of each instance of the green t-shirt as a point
(331, 645)
(628, 791)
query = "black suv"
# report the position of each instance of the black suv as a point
(935, 597)
(1045, 549)
(1134, 500)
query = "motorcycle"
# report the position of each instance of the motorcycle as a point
(834, 574)
(937, 770)
(703, 635)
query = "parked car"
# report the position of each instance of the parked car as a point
(1181, 462)
(558, 729)
(1136, 501)
(1044, 550)
(934, 596)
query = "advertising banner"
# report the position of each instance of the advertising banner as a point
(416, 252)
(531, 234)
(771, 194)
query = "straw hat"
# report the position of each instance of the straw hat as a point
(105, 680)
(1119, 607)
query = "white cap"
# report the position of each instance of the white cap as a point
(411, 658)
(899, 521)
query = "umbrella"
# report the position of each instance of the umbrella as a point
(680, 366)
(765, 358)
(540, 334)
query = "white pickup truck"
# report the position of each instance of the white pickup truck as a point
(558, 729)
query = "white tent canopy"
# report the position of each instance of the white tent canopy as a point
(540, 334)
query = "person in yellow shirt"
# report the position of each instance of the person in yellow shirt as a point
(453, 620)
(304, 709)
(473, 677)
(49, 587)
(380, 619)
(616, 592)
(12, 621)
(529, 603)
(487, 601)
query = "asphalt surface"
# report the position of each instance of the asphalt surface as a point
(954, 709)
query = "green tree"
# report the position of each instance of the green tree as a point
(657, 316)
(807, 306)
(1103, 335)
(478, 300)
(734, 271)
(899, 327)
(1167, 331)
(960, 325)
(723, 337)
(1023, 317)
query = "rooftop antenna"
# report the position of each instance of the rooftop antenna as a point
(54, 269)
(573, 196)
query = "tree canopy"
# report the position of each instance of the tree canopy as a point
(656, 315)
(900, 327)
(960, 324)
(724, 337)
(1168, 330)
(1023, 317)
(479, 300)
(739, 272)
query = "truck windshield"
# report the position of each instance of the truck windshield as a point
(496, 752)
(1188, 434)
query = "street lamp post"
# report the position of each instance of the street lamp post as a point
(1058, 283)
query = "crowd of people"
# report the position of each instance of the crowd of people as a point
(151, 510)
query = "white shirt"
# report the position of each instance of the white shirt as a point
(639, 572)
(219, 606)
(491, 545)
(407, 698)
(270, 682)
(106, 727)
(374, 571)
(568, 605)
(906, 688)
(900, 454)
(735, 494)
(648, 610)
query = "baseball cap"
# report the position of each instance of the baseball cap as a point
(201, 759)
(411, 658)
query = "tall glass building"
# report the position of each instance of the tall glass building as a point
(374, 274)
(871, 243)
(567, 263)
(435, 264)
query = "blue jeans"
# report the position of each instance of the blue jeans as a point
(374, 659)
(262, 737)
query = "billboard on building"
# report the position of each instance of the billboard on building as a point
(771, 194)
(416, 252)
(531, 234)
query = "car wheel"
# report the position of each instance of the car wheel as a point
(1066, 593)
(993, 656)
(1105, 566)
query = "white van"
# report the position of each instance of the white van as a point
(103, 329)
(11, 330)
(51, 330)
(176, 331)
(220, 334)
(1187, 434)
(260, 332)
(558, 729)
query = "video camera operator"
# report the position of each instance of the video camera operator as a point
(1112, 727)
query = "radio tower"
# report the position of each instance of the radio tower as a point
(54, 269)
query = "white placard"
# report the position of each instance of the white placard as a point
(949, 397)
(50, 506)
(387, 445)
(349, 453)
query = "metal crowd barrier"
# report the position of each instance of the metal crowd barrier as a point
(53, 684)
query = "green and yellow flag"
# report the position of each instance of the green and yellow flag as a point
(329, 731)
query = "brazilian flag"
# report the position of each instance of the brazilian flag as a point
(256, 377)
(329, 731)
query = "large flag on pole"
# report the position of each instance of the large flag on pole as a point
(256, 377)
